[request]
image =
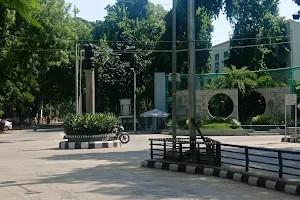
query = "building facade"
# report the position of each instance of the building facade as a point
(220, 52)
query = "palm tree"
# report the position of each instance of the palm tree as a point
(24, 8)
(243, 79)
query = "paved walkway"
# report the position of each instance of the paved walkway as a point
(31, 168)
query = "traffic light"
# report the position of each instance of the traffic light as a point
(90, 60)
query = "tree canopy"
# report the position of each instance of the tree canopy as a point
(259, 22)
(24, 8)
(37, 64)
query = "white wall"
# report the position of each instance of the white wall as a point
(219, 49)
(160, 91)
(294, 58)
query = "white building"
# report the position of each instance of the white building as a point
(220, 52)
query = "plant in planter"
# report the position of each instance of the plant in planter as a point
(89, 124)
(267, 120)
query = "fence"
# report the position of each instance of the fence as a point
(266, 100)
(280, 162)
(205, 152)
(273, 162)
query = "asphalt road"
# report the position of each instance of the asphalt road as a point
(32, 168)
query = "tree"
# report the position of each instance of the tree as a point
(297, 1)
(243, 79)
(251, 103)
(40, 66)
(24, 8)
(135, 26)
(112, 83)
(260, 23)
(204, 28)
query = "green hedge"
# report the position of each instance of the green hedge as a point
(89, 124)
(218, 120)
(267, 120)
(181, 122)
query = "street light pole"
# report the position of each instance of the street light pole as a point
(76, 77)
(191, 73)
(174, 70)
(134, 99)
(80, 83)
(76, 68)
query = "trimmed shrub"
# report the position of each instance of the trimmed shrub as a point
(266, 120)
(89, 124)
(218, 120)
(292, 123)
(181, 122)
(295, 135)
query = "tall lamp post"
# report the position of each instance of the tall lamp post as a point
(134, 99)
(80, 83)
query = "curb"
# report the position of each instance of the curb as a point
(281, 186)
(89, 145)
(291, 140)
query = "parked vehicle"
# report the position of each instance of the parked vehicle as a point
(121, 134)
(7, 125)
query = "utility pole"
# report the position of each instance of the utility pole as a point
(174, 70)
(134, 99)
(76, 68)
(76, 77)
(191, 73)
(80, 83)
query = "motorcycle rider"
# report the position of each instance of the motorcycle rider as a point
(35, 123)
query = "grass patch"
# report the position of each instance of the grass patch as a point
(219, 126)
(295, 135)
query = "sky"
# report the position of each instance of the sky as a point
(95, 10)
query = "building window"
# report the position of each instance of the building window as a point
(226, 55)
(217, 67)
(217, 57)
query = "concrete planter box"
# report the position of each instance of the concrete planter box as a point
(87, 138)
(90, 144)
(206, 132)
(280, 131)
(291, 140)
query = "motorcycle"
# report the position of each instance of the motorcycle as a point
(120, 134)
(35, 128)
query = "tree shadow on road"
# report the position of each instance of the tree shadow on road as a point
(119, 174)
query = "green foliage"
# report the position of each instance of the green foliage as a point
(220, 126)
(39, 63)
(181, 122)
(204, 29)
(89, 124)
(292, 123)
(24, 8)
(218, 120)
(258, 19)
(128, 22)
(267, 81)
(244, 80)
(33, 76)
(267, 120)
(297, 2)
(295, 135)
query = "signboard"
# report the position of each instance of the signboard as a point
(298, 105)
(290, 99)
(177, 77)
